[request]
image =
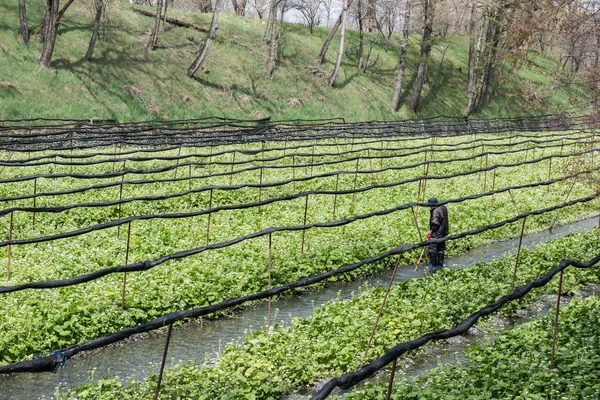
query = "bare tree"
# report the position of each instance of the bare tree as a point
(205, 47)
(310, 10)
(428, 13)
(49, 34)
(270, 66)
(403, 52)
(338, 61)
(325, 47)
(260, 7)
(328, 7)
(24, 31)
(153, 40)
(99, 6)
(239, 6)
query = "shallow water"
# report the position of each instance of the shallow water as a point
(201, 341)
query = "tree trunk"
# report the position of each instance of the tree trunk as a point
(338, 61)
(403, 52)
(361, 36)
(369, 15)
(334, 28)
(270, 66)
(267, 34)
(164, 15)
(50, 18)
(491, 68)
(471, 76)
(153, 41)
(24, 32)
(323, 52)
(239, 7)
(99, 8)
(205, 47)
(428, 13)
(63, 10)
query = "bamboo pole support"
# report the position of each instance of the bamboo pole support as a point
(294, 171)
(34, 201)
(518, 255)
(270, 264)
(416, 219)
(549, 173)
(337, 181)
(177, 164)
(493, 185)
(533, 166)
(312, 160)
(126, 263)
(385, 297)
(114, 157)
(485, 173)
(210, 161)
(210, 201)
(231, 171)
(260, 181)
(304, 223)
(10, 236)
(560, 281)
(162, 364)
(518, 212)
(119, 212)
(371, 167)
(355, 176)
(391, 382)
(190, 186)
(559, 210)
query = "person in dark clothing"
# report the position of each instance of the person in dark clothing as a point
(438, 228)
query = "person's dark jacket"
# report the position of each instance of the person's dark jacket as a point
(438, 222)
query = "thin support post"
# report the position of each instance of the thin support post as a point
(177, 163)
(190, 186)
(549, 172)
(162, 364)
(71, 159)
(493, 185)
(119, 212)
(518, 212)
(114, 157)
(385, 297)
(231, 172)
(10, 236)
(337, 181)
(304, 223)
(260, 180)
(270, 264)
(560, 280)
(312, 160)
(34, 201)
(533, 166)
(371, 167)
(518, 255)
(355, 176)
(391, 382)
(294, 171)
(210, 160)
(485, 173)
(126, 263)
(558, 211)
(210, 201)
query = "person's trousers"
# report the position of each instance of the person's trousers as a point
(436, 254)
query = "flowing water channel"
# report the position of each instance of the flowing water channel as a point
(136, 359)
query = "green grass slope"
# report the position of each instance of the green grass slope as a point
(126, 82)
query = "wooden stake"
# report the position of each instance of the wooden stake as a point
(209, 214)
(385, 297)
(231, 172)
(260, 188)
(517, 209)
(126, 263)
(162, 364)
(177, 163)
(294, 171)
(34, 200)
(312, 160)
(355, 176)
(533, 166)
(549, 172)
(270, 263)
(391, 382)
(518, 254)
(10, 236)
(493, 185)
(119, 213)
(485, 173)
(210, 160)
(560, 280)
(371, 167)
(337, 181)
(560, 209)
(190, 186)
(304, 223)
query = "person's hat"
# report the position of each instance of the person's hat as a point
(432, 200)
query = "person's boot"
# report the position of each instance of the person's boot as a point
(432, 261)
(440, 260)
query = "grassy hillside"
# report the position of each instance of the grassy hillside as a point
(126, 82)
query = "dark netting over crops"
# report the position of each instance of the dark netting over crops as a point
(69, 135)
